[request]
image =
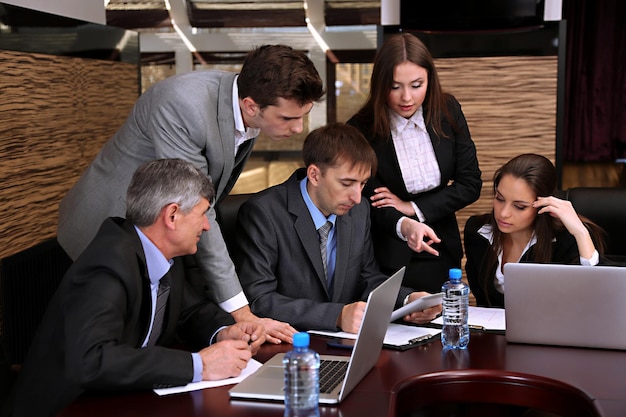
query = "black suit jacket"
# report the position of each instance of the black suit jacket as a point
(281, 267)
(91, 334)
(460, 186)
(481, 278)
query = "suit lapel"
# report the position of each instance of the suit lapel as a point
(176, 275)
(389, 168)
(145, 310)
(221, 144)
(305, 228)
(240, 159)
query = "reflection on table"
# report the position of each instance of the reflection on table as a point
(601, 374)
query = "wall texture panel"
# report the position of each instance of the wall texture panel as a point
(510, 103)
(56, 112)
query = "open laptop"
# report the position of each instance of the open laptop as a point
(567, 305)
(267, 383)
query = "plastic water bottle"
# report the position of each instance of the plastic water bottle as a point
(302, 389)
(455, 333)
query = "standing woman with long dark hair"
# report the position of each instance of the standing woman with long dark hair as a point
(427, 165)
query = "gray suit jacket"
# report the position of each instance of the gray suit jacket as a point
(281, 265)
(187, 116)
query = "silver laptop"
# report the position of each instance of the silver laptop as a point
(566, 305)
(267, 383)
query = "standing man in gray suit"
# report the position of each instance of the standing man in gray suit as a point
(281, 266)
(210, 118)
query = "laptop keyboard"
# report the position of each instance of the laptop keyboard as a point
(332, 374)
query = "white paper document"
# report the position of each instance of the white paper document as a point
(483, 318)
(397, 334)
(253, 365)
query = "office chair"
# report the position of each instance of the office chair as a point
(226, 215)
(28, 280)
(605, 206)
(487, 393)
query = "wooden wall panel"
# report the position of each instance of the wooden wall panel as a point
(510, 106)
(55, 114)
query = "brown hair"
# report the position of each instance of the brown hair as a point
(398, 49)
(278, 71)
(335, 144)
(540, 175)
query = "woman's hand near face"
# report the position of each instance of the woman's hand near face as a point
(564, 211)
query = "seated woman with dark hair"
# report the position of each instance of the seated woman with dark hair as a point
(527, 224)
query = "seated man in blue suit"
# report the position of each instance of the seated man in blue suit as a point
(281, 267)
(103, 331)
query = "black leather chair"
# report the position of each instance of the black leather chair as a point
(28, 280)
(605, 206)
(226, 213)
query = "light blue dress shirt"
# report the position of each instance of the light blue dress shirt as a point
(319, 220)
(158, 266)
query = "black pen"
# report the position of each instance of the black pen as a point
(419, 339)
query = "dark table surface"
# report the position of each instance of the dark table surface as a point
(601, 374)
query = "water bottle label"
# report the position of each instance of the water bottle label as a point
(454, 309)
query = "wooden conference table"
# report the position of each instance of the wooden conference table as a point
(599, 373)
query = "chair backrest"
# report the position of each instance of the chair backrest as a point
(487, 393)
(605, 206)
(226, 213)
(28, 280)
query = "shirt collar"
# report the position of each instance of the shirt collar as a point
(399, 123)
(318, 217)
(156, 263)
(487, 232)
(241, 133)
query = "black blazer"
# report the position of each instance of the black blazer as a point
(481, 279)
(456, 156)
(91, 334)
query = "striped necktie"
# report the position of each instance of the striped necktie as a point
(323, 232)
(159, 312)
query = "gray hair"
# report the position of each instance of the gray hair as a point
(161, 182)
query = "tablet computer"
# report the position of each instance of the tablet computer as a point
(423, 303)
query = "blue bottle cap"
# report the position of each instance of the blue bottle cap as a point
(301, 339)
(455, 273)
